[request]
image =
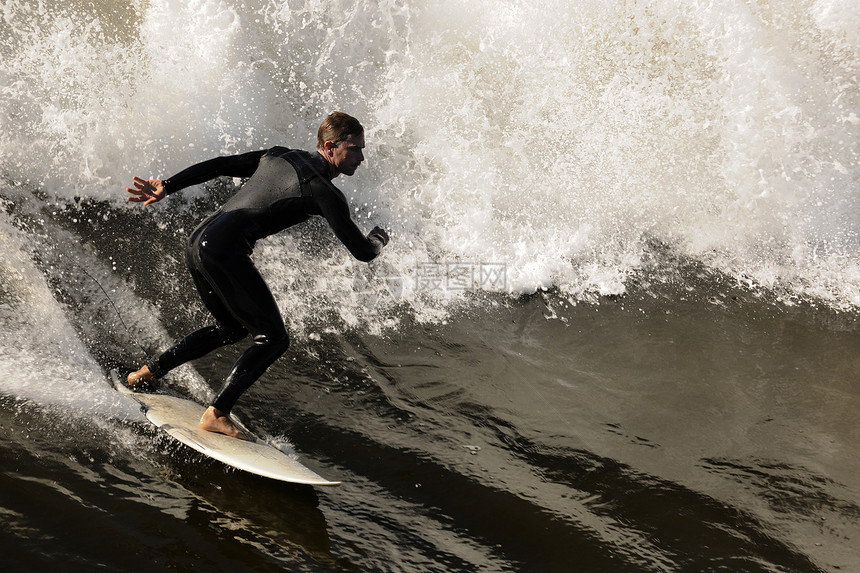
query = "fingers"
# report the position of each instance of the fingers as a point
(134, 196)
(139, 192)
(139, 186)
(146, 191)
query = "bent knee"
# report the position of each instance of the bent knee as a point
(278, 342)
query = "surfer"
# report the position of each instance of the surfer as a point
(285, 187)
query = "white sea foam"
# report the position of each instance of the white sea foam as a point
(44, 359)
(557, 140)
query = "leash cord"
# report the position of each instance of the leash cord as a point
(118, 314)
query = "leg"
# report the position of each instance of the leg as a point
(244, 293)
(200, 342)
(250, 366)
(247, 369)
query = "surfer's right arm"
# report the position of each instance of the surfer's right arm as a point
(148, 191)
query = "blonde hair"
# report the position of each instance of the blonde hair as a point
(337, 127)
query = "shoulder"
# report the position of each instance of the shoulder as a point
(308, 165)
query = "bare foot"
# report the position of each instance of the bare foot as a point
(214, 420)
(143, 377)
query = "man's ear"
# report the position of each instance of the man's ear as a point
(328, 146)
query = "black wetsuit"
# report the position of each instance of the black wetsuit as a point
(286, 187)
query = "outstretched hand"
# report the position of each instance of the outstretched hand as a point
(379, 232)
(146, 191)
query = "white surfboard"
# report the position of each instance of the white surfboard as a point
(179, 418)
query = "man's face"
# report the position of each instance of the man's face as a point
(347, 155)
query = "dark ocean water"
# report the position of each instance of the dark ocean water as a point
(691, 425)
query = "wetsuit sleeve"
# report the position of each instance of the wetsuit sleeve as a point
(335, 209)
(242, 165)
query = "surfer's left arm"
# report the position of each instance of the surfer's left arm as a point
(335, 209)
(148, 191)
